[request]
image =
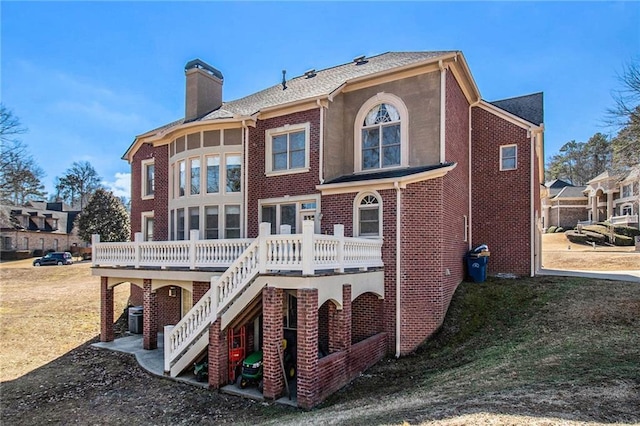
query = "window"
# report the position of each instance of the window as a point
(181, 178)
(232, 221)
(627, 210)
(194, 219)
(195, 176)
(148, 229)
(172, 225)
(508, 157)
(287, 149)
(626, 191)
(180, 225)
(41, 243)
(213, 174)
(148, 179)
(381, 134)
(211, 222)
(55, 244)
(367, 216)
(288, 211)
(234, 173)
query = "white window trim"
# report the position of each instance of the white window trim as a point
(381, 98)
(144, 216)
(298, 200)
(223, 173)
(356, 214)
(623, 206)
(144, 164)
(189, 165)
(204, 190)
(287, 128)
(222, 231)
(502, 147)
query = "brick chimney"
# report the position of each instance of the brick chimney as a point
(204, 89)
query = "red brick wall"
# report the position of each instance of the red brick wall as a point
(338, 209)
(159, 204)
(455, 190)
(135, 299)
(366, 317)
(501, 199)
(272, 329)
(149, 318)
(200, 288)
(260, 186)
(307, 354)
(218, 356)
(421, 262)
(323, 325)
(169, 308)
(339, 368)
(106, 311)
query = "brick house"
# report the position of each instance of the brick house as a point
(563, 205)
(333, 209)
(38, 227)
(614, 197)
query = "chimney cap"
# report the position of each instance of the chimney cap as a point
(197, 63)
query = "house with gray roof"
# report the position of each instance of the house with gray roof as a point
(333, 210)
(563, 205)
(38, 227)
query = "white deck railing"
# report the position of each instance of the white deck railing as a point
(244, 259)
(192, 253)
(623, 220)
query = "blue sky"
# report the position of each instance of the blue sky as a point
(86, 77)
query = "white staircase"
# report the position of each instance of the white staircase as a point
(237, 287)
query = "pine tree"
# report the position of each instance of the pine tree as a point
(104, 215)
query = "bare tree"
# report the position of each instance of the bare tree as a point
(20, 176)
(78, 184)
(626, 111)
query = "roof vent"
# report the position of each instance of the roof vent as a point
(360, 60)
(310, 74)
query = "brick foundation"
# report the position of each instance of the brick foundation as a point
(106, 311)
(218, 356)
(308, 375)
(272, 331)
(149, 318)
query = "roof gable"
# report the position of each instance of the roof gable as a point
(528, 107)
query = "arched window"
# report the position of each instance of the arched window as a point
(381, 135)
(368, 215)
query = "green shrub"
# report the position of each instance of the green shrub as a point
(627, 231)
(586, 237)
(559, 229)
(551, 229)
(623, 240)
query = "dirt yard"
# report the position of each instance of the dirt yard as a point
(559, 253)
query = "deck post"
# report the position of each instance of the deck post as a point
(338, 232)
(137, 238)
(193, 237)
(265, 231)
(307, 247)
(95, 240)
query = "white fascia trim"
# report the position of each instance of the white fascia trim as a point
(514, 119)
(314, 99)
(380, 184)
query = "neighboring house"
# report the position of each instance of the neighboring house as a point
(334, 210)
(614, 197)
(563, 205)
(38, 226)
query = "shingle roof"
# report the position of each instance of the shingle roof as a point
(528, 107)
(395, 173)
(571, 192)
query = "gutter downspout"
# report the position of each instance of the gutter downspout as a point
(245, 182)
(470, 220)
(442, 109)
(398, 275)
(532, 209)
(321, 143)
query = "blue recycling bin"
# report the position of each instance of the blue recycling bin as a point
(477, 267)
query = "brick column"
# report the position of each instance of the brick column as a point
(218, 356)
(308, 376)
(272, 334)
(199, 290)
(149, 317)
(340, 323)
(106, 311)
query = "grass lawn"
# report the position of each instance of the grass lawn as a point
(540, 351)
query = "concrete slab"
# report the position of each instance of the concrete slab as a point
(632, 276)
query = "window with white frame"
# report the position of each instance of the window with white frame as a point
(181, 178)
(211, 229)
(290, 211)
(194, 176)
(194, 218)
(368, 215)
(232, 221)
(147, 226)
(148, 180)
(381, 135)
(233, 163)
(508, 157)
(626, 191)
(626, 210)
(213, 174)
(287, 149)
(180, 225)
